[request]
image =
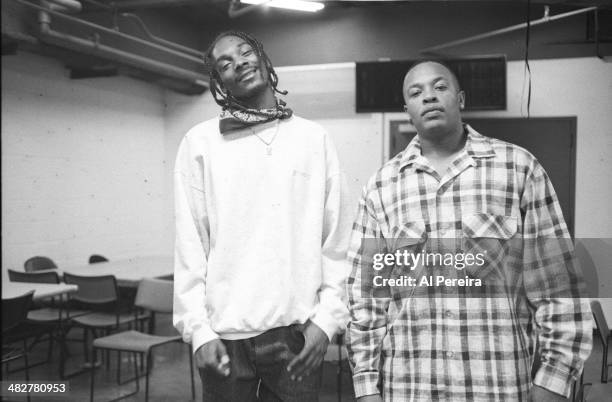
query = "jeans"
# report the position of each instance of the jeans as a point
(259, 370)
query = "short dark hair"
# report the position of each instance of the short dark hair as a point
(441, 62)
(222, 97)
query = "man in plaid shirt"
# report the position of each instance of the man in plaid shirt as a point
(506, 320)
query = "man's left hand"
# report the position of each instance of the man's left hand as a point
(311, 356)
(539, 394)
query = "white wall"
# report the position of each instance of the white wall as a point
(82, 164)
(579, 87)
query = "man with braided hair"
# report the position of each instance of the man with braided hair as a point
(261, 236)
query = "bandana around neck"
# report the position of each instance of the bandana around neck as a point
(234, 119)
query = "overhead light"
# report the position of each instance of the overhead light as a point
(300, 5)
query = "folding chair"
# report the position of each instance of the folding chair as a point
(95, 258)
(14, 315)
(591, 392)
(100, 295)
(597, 391)
(54, 318)
(39, 263)
(604, 337)
(156, 296)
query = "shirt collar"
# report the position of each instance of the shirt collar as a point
(476, 146)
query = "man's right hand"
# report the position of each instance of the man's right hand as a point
(213, 356)
(370, 398)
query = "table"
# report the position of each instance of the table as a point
(129, 271)
(41, 290)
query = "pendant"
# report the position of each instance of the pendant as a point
(269, 150)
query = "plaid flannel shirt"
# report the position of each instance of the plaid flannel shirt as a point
(442, 347)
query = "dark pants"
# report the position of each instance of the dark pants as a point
(259, 370)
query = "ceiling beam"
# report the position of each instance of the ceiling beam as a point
(140, 4)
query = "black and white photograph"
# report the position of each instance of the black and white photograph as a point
(306, 200)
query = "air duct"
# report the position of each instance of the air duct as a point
(67, 6)
(192, 81)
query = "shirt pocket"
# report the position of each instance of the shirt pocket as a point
(406, 235)
(488, 238)
(492, 226)
(408, 239)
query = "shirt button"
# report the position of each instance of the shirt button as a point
(450, 355)
(449, 314)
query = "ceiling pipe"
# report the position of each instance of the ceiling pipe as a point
(144, 28)
(133, 4)
(95, 48)
(66, 6)
(546, 18)
(113, 32)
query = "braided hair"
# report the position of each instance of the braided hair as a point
(223, 97)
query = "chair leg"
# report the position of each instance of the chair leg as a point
(137, 378)
(107, 355)
(580, 393)
(66, 339)
(63, 354)
(148, 359)
(50, 348)
(85, 342)
(87, 361)
(576, 387)
(134, 392)
(604, 364)
(27, 367)
(339, 373)
(137, 372)
(191, 371)
(36, 340)
(92, 372)
(118, 367)
(25, 360)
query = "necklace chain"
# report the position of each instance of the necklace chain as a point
(268, 143)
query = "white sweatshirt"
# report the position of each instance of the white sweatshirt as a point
(260, 239)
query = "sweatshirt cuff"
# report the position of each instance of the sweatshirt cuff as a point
(326, 322)
(201, 336)
(366, 383)
(554, 379)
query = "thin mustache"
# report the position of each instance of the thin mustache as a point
(246, 71)
(438, 108)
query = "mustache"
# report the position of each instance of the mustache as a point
(431, 109)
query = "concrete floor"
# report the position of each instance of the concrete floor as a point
(170, 375)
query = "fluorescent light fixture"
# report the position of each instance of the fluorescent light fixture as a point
(300, 5)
